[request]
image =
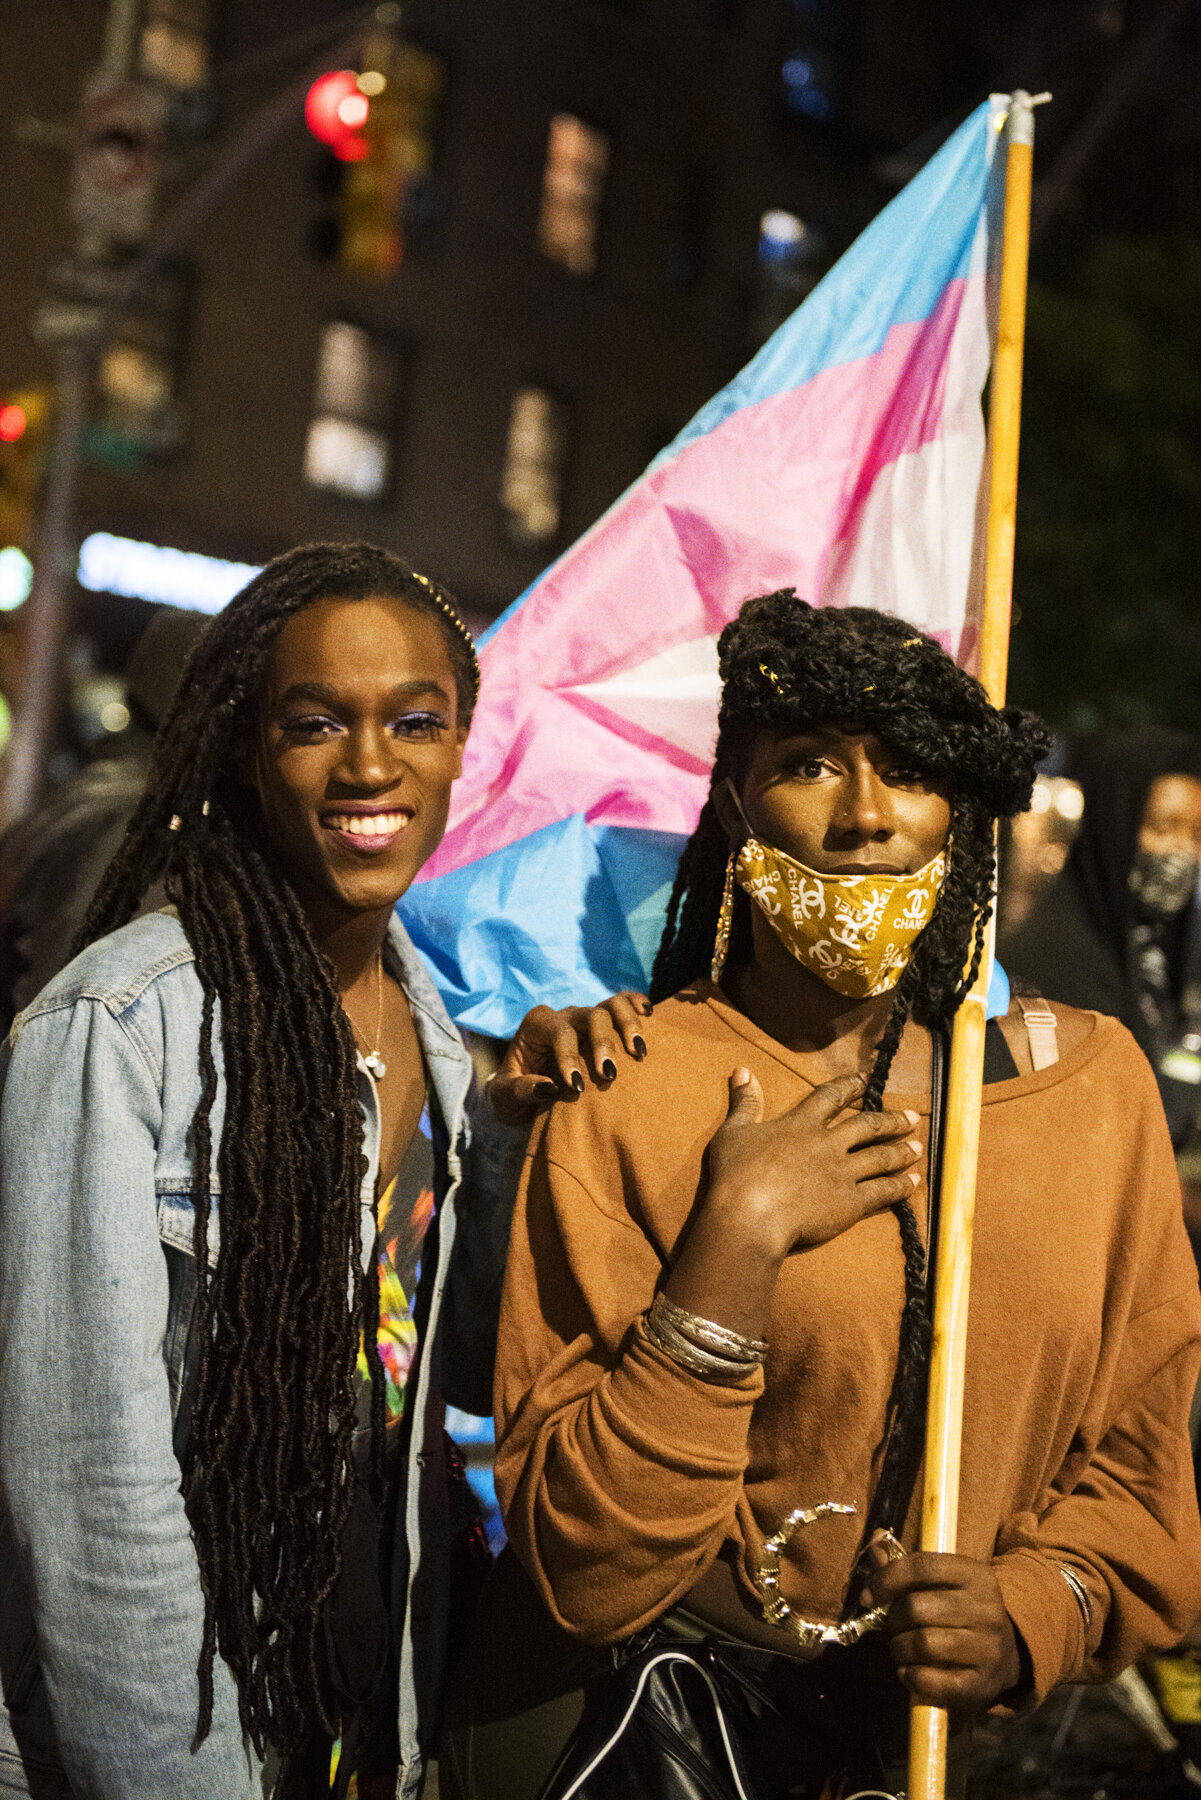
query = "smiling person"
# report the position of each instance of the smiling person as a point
(228, 1502)
(715, 1328)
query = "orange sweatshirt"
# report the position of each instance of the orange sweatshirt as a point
(621, 1475)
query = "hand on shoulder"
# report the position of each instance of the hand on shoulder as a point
(556, 1053)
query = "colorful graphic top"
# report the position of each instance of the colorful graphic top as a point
(403, 1214)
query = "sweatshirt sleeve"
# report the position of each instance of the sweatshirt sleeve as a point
(1127, 1528)
(87, 1472)
(1121, 1514)
(608, 1453)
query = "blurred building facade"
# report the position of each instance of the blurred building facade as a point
(616, 201)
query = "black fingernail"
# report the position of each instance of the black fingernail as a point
(577, 1081)
(639, 1048)
(609, 1069)
(546, 1090)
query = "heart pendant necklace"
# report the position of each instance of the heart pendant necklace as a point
(373, 1062)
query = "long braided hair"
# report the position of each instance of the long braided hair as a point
(788, 667)
(278, 1318)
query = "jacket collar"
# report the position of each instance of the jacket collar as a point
(447, 1060)
(434, 1025)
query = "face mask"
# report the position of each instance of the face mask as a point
(854, 932)
(1163, 881)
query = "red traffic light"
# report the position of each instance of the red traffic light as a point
(335, 111)
(12, 423)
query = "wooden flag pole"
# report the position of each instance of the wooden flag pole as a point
(944, 1416)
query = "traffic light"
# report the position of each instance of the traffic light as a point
(377, 126)
(373, 187)
(336, 110)
(24, 422)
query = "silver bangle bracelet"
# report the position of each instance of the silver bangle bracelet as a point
(701, 1363)
(708, 1334)
(710, 1365)
(1079, 1592)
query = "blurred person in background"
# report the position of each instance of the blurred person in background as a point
(1117, 932)
(51, 860)
(1034, 848)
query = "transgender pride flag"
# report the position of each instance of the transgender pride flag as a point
(844, 461)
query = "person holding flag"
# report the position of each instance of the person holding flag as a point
(715, 1324)
(847, 461)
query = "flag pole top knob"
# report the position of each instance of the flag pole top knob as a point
(1021, 115)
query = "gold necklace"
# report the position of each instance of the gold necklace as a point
(373, 1062)
(813, 1634)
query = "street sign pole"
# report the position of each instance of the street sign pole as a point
(74, 324)
(47, 610)
(110, 208)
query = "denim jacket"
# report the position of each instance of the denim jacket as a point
(101, 1608)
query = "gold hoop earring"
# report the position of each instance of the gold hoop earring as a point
(725, 918)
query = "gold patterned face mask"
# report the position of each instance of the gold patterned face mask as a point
(854, 932)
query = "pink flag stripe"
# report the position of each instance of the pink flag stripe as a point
(763, 500)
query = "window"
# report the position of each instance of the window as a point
(137, 415)
(346, 458)
(577, 158)
(349, 446)
(175, 43)
(788, 255)
(532, 481)
(816, 71)
(135, 377)
(811, 83)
